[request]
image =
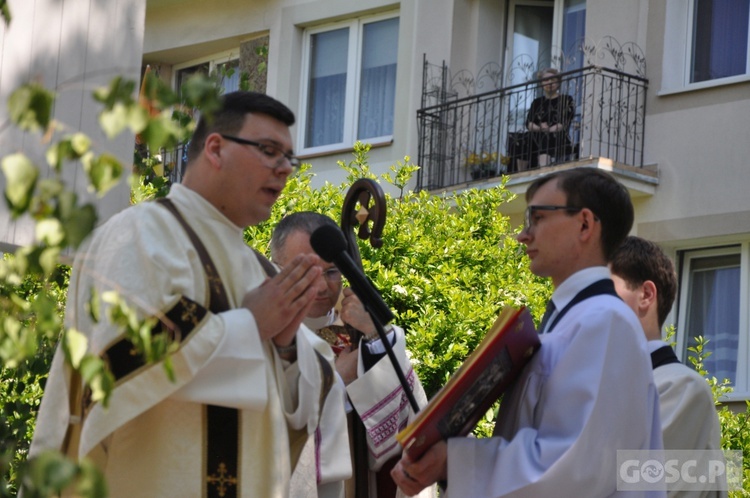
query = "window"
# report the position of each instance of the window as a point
(350, 74)
(224, 67)
(706, 43)
(719, 47)
(711, 296)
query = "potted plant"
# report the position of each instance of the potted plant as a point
(482, 165)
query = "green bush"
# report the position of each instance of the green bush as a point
(448, 264)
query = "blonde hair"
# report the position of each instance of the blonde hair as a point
(552, 71)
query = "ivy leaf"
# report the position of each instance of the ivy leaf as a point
(103, 171)
(21, 176)
(76, 345)
(49, 259)
(200, 91)
(79, 224)
(114, 120)
(69, 148)
(30, 107)
(95, 306)
(50, 471)
(50, 232)
(5, 12)
(161, 131)
(119, 90)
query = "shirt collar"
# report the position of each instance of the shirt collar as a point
(655, 344)
(576, 283)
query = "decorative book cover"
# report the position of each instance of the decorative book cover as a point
(476, 385)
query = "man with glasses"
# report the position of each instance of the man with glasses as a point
(588, 392)
(248, 380)
(371, 383)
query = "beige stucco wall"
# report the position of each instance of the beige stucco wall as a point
(69, 49)
(699, 141)
(425, 27)
(695, 140)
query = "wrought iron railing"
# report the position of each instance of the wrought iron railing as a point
(175, 161)
(484, 135)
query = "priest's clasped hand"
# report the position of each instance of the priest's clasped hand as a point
(281, 302)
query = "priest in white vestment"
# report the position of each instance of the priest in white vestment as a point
(249, 381)
(371, 382)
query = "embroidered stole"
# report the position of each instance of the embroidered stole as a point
(221, 430)
(221, 424)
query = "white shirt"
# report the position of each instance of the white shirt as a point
(587, 392)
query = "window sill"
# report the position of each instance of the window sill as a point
(341, 150)
(703, 85)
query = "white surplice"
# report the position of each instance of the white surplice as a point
(688, 415)
(587, 393)
(378, 396)
(149, 441)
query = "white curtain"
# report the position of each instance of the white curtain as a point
(720, 39)
(326, 99)
(377, 90)
(715, 312)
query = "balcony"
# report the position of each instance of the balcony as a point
(472, 140)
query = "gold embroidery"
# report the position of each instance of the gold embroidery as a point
(214, 280)
(222, 480)
(190, 313)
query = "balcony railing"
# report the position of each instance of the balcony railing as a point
(472, 138)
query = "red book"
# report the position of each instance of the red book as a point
(478, 383)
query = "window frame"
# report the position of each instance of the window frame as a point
(741, 248)
(677, 55)
(213, 60)
(353, 84)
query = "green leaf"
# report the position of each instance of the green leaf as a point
(79, 224)
(162, 131)
(49, 259)
(70, 148)
(50, 473)
(103, 171)
(76, 345)
(21, 176)
(119, 90)
(95, 306)
(50, 231)
(137, 118)
(30, 107)
(5, 12)
(114, 120)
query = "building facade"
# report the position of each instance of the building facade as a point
(660, 91)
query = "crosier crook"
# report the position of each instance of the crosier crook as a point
(368, 194)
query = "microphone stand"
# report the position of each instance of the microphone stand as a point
(371, 214)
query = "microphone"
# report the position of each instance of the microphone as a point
(329, 242)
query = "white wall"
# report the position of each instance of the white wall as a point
(71, 48)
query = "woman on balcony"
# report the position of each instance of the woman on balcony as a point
(548, 120)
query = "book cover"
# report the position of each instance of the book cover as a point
(476, 385)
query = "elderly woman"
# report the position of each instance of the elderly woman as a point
(548, 121)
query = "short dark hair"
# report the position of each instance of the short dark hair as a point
(302, 221)
(600, 192)
(638, 260)
(230, 117)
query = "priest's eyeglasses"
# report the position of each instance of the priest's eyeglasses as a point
(332, 274)
(531, 218)
(272, 152)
